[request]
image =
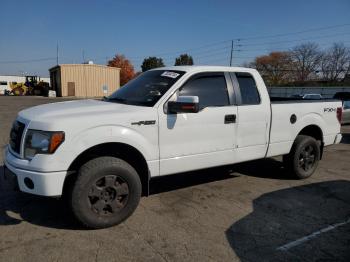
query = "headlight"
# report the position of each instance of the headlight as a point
(41, 142)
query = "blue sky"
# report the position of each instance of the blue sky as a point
(31, 29)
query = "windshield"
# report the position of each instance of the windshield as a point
(146, 89)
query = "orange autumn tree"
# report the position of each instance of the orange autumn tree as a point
(127, 71)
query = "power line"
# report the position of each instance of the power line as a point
(205, 47)
(297, 32)
(223, 57)
(227, 48)
(28, 61)
(297, 40)
(227, 52)
(323, 46)
(251, 38)
(177, 53)
(192, 49)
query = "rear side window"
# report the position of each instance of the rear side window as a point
(347, 104)
(211, 90)
(249, 91)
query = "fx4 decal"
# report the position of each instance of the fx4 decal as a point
(329, 109)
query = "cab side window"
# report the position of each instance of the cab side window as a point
(249, 91)
(211, 90)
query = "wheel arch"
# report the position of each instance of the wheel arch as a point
(316, 132)
(312, 130)
(123, 151)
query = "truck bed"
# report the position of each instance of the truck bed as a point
(275, 100)
(283, 130)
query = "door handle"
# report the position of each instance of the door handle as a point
(230, 119)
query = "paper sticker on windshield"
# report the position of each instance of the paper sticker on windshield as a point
(170, 74)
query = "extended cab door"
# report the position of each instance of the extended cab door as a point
(253, 119)
(190, 141)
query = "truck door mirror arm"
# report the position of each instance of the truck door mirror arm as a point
(184, 104)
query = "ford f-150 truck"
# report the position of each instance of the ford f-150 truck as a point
(101, 154)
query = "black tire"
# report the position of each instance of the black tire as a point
(106, 192)
(303, 158)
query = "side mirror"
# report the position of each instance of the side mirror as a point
(184, 104)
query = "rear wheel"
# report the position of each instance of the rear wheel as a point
(106, 192)
(303, 158)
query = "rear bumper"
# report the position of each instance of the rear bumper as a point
(37, 183)
(332, 139)
(337, 139)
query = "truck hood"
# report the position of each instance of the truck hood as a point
(98, 112)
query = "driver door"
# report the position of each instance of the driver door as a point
(190, 141)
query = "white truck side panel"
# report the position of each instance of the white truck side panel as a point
(185, 138)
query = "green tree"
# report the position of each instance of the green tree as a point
(151, 62)
(184, 59)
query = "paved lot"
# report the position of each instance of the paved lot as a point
(243, 212)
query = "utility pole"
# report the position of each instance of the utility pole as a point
(238, 50)
(83, 56)
(57, 54)
(231, 52)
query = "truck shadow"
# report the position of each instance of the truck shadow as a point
(16, 207)
(286, 215)
(264, 168)
(173, 182)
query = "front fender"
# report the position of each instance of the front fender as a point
(146, 143)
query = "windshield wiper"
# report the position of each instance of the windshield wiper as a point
(126, 101)
(115, 99)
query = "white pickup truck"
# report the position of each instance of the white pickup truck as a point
(102, 154)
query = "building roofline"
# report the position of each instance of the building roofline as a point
(89, 65)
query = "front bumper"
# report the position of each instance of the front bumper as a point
(37, 183)
(10, 179)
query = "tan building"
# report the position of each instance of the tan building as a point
(84, 80)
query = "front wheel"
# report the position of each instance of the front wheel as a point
(106, 192)
(303, 158)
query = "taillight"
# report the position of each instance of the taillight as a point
(339, 113)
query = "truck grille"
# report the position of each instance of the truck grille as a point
(16, 136)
